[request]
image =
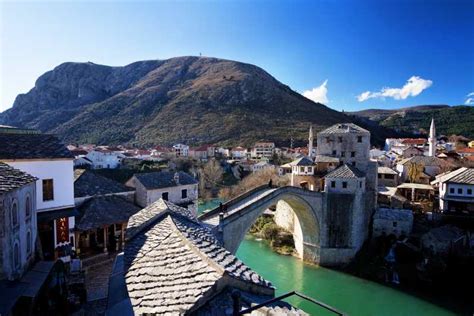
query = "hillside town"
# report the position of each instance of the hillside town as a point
(101, 229)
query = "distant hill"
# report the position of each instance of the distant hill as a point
(449, 120)
(194, 100)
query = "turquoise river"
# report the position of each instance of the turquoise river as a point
(349, 294)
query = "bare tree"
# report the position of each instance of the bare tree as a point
(211, 175)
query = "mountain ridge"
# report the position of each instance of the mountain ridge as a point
(188, 99)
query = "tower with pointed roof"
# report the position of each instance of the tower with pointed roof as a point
(432, 140)
(310, 142)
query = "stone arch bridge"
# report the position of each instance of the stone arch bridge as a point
(330, 228)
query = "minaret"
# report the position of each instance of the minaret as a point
(310, 142)
(432, 140)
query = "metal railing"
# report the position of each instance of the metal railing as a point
(237, 306)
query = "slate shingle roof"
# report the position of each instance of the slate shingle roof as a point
(425, 160)
(322, 158)
(173, 263)
(163, 179)
(345, 171)
(386, 170)
(11, 178)
(344, 128)
(303, 161)
(104, 210)
(32, 146)
(464, 177)
(88, 183)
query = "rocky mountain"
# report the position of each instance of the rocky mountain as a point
(194, 100)
(449, 120)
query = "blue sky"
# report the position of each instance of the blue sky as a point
(349, 54)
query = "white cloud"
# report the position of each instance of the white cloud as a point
(469, 100)
(414, 86)
(318, 94)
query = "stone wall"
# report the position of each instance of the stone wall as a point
(11, 235)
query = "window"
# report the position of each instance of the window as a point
(360, 184)
(310, 169)
(301, 169)
(343, 153)
(353, 154)
(16, 256)
(459, 191)
(164, 196)
(48, 192)
(394, 224)
(353, 163)
(451, 190)
(14, 215)
(333, 184)
(334, 152)
(328, 140)
(339, 139)
(27, 207)
(344, 185)
(379, 176)
(28, 243)
(184, 194)
(390, 176)
(469, 191)
(359, 139)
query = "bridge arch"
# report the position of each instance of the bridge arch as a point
(243, 211)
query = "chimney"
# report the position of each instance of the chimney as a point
(176, 177)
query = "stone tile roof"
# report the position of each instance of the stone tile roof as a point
(345, 171)
(104, 210)
(425, 160)
(322, 158)
(464, 177)
(174, 264)
(163, 179)
(303, 161)
(11, 178)
(32, 146)
(88, 183)
(344, 128)
(386, 170)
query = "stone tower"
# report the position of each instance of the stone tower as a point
(310, 142)
(432, 140)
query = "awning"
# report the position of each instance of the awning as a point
(419, 186)
(47, 216)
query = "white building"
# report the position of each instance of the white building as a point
(263, 149)
(456, 191)
(46, 158)
(17, 222)
(238, 152)
(261, 165)
(179, 188)
(181, 150)
(104, 158)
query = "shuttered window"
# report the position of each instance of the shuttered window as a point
(48, 191)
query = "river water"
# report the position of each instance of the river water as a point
(351, 295)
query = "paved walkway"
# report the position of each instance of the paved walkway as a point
(97, 282)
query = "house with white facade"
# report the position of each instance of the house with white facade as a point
(238, 152)
(421, 167)
(104, 158)
(456, 191)
(261, 165)
(181, 150)
(263, 149)
(179, 188)
(17, 222)
(46, 158)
